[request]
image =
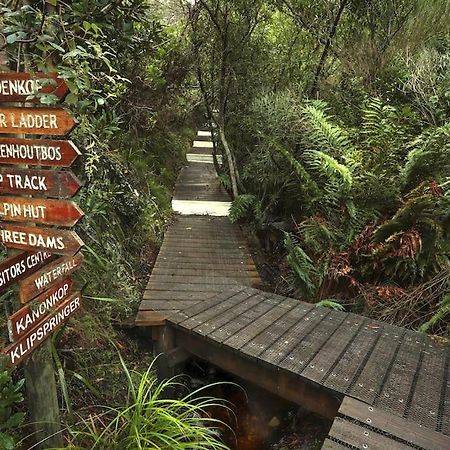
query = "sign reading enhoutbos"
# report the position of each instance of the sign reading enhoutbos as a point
(42, 279)
(19, 266)
(16, 87)
(49, 121)
(30, 315)
(22, 348)
(38, 152)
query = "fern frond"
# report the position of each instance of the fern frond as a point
(244, 204)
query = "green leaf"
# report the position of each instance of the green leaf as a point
(7, 442)
(52, 2)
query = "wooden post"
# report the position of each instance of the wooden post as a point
(165, 344)
(41, 392)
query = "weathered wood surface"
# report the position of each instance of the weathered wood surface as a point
(38, 152)
(41, 121)
(44, 278)
(47, 183)
(53, 240)
(18, 87)
(19, 266)
(202, 285)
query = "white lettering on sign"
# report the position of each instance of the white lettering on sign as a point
(32, 239)
(39, 310)
(30, 120)
(25, 151)
(20, 87)
(42, 331)
(16, 270)
(18, 181)
(12, 210)
(48, 277)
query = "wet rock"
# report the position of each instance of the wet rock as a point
(274, 422)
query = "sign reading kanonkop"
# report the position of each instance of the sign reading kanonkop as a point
(30, 197)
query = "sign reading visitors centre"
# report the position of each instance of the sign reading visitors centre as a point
(19, 86)
(38, 152)
(31, 314)
(42, 211)
(42, 121)
(45, 277)
(47, 183)
(19, 350)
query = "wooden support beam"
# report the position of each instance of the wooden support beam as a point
(293, 388)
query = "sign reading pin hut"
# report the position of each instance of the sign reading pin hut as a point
(37, 196)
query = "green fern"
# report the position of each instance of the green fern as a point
(442, 312)
(330, 303)
(243, 205)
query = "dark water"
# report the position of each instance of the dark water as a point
(260, 420)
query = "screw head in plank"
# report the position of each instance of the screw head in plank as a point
(47, 183)
(41, 280)
(34, 312)
(42, 121)
(54, 240)
(21, 349)
(18, 86)
(22, 265)
(40, 210)
(38, 152)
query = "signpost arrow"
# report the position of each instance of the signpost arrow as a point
(19, 266)
(18, 351)
(45, 277)
(16, 87)
(48, 183)
(48, 121)
(60, 242)
(42, 211)
(38, 152)
(30, 315)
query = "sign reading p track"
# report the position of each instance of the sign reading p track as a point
(36, 196)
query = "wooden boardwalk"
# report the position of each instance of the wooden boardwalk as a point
(389, 388)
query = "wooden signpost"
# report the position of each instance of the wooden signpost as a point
(41, 280)
(19, 86)
(42, 121)
(22, 348)
(48, 183)
(43, 211)
(31, 314)
(60, 242)
(38, 152)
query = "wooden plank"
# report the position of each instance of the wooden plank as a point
(37, 152)
(19, 86)
(350, 363)
(287, 342)
(320, 366)
(34, 312)
(186, 287)
(40, 121)
(206, 271)
(394, 425)
(19, 266)
(168, 304)
(270, 335)
(363, 438)
(44, 278)
(48, 183)
(41, 211)
(311, 344)
(21, 349)
(175, 295)
(60, 242)
(331, 445)
(370, 381)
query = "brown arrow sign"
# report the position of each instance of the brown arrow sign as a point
(18, 351)
(44, 278)
(20, 266)
(48, 183)
(38, 152)
(60, 242)
(43, 211)
(30, 315)
(48, 121)
(16, 87)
